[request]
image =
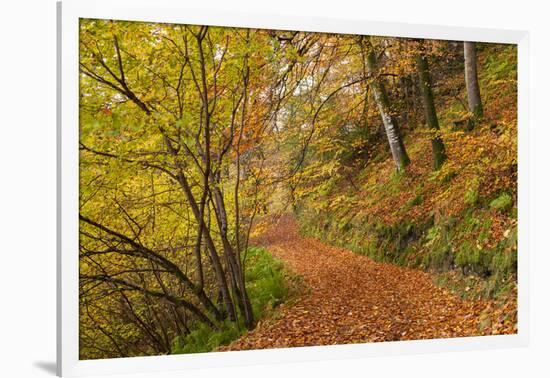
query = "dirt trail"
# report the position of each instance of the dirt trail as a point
(353, 299)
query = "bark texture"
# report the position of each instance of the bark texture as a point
(472, 85)
(395, 141)
(425, 84)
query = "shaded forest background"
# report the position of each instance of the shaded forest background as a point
(194, 139)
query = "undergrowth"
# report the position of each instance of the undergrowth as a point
(269, 284)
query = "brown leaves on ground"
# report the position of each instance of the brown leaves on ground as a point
(353, 299)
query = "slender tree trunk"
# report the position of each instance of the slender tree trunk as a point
(438, 149)
(234, 266)
(472, 84)
(246, 304)
(397, 147)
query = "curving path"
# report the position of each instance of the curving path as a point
(353, 299)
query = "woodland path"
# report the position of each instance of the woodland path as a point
(353, 299)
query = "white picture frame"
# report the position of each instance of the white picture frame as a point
(69, 13)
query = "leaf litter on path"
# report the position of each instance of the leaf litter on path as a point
(354, 299)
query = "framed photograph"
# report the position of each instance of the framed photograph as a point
(243, 188)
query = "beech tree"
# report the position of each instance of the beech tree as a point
(391, 126)
(472, 85)
(425, 84)
(156, 154)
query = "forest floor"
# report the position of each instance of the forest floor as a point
(353, 299)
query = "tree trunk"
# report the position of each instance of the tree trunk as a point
(390, 123)
(235, 267)
(438, 149)
(472, 84)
